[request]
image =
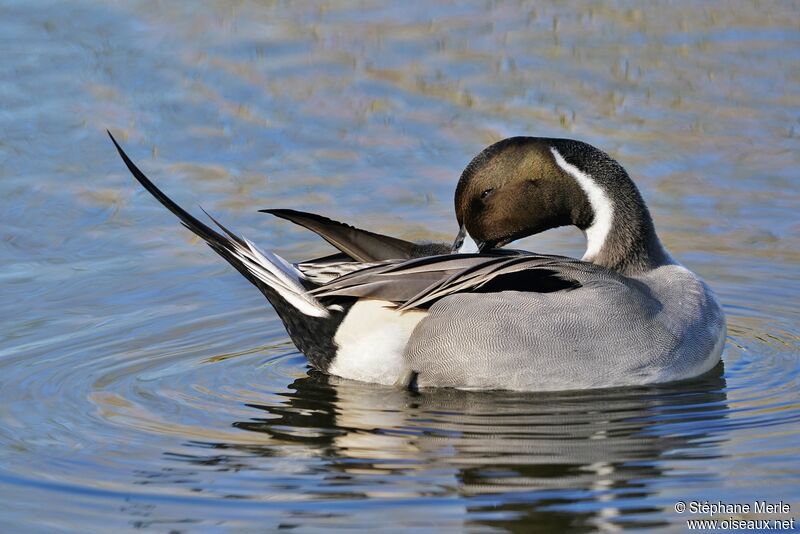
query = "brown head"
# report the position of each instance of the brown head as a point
(522, 186)
(513, 189)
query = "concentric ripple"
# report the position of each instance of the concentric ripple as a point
(254, 434)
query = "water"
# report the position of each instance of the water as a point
(144, 385)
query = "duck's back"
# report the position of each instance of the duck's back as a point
(663, 326)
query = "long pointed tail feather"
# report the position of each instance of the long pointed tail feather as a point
(273, 275)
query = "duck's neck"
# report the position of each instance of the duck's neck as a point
(620, 234)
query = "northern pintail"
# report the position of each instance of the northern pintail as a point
(471, 316)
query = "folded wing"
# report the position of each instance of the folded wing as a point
(420, 282)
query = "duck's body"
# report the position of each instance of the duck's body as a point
(387, 311)
(660, 326)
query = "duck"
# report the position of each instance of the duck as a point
(476, 315)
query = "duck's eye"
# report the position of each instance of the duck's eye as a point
(487, 192)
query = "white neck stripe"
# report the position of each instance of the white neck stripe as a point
(468, 246)
(602, 206)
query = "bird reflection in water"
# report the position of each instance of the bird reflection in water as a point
(517, 461)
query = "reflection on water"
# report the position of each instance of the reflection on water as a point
(523, 461)
(145, 386)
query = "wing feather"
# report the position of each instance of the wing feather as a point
(420, 282)
(360, 245)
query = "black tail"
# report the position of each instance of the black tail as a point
(311, 324)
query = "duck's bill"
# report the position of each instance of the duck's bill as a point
(465, 244)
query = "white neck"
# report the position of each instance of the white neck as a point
(468, 246)
(602, 207)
